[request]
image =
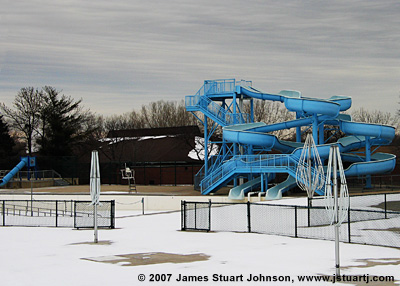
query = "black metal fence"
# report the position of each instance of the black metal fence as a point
(369, 223)
(56, 213)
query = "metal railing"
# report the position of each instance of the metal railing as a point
(35, 174)
(215, 111)
(220, 86)
(249, 164)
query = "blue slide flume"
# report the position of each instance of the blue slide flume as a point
(24, 162)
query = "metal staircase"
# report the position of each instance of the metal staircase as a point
(202, 102)
(249, 164)
(214, 111)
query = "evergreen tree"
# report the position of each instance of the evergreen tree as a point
(63, 124)
(6, 142)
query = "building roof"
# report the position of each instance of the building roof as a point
(167, 144)
(168, 131)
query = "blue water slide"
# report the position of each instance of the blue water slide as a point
(360, 133)
(275, 193)
(15, 170)
(237, 193)
(295, 102)
(309, 111)
(368, 129)
(380, 162)
(343, 100)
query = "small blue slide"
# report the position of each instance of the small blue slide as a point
(239, 191)
(275, 192)
(24, 162)
(310, 112)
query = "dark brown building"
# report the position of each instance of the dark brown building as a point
(158, 155)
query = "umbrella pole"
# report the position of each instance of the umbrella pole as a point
(336, 208)
(95, 189)
(96, 237)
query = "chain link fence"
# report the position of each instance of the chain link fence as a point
(372, 219)
(56, 213)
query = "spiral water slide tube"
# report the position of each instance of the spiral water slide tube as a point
(255, 134)
(15, 170)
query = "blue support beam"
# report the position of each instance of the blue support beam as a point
(368, 183)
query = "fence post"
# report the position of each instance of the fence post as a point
(182, 215)
(295, 221)
(4, 213)
(183, 208)
(348, 224)
(56, 213)
(385, 206)
(209, 215)
(112, 226)
(185, 218)
(74, 211)
(248, 217)
(309, 205)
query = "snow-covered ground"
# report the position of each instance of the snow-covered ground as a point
(64, 256)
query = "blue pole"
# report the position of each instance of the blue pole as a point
(315, 128)
(367, 159)
(234, 107)
(262, 183)
(298, 129)
(235, 152)
(205, 146)
(321, 134)
(251, 110)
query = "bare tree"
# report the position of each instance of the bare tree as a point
(25, 117)
(270, 113)
(153, 115)
(375, 116)
(165, 114)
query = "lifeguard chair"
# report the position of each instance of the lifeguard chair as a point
(129, 174)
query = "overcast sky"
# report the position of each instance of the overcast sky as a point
(118, 55)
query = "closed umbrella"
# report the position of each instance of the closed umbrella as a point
(95, 188)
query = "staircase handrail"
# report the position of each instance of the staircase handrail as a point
(277, 161)
(215, 111)
(233, 164)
